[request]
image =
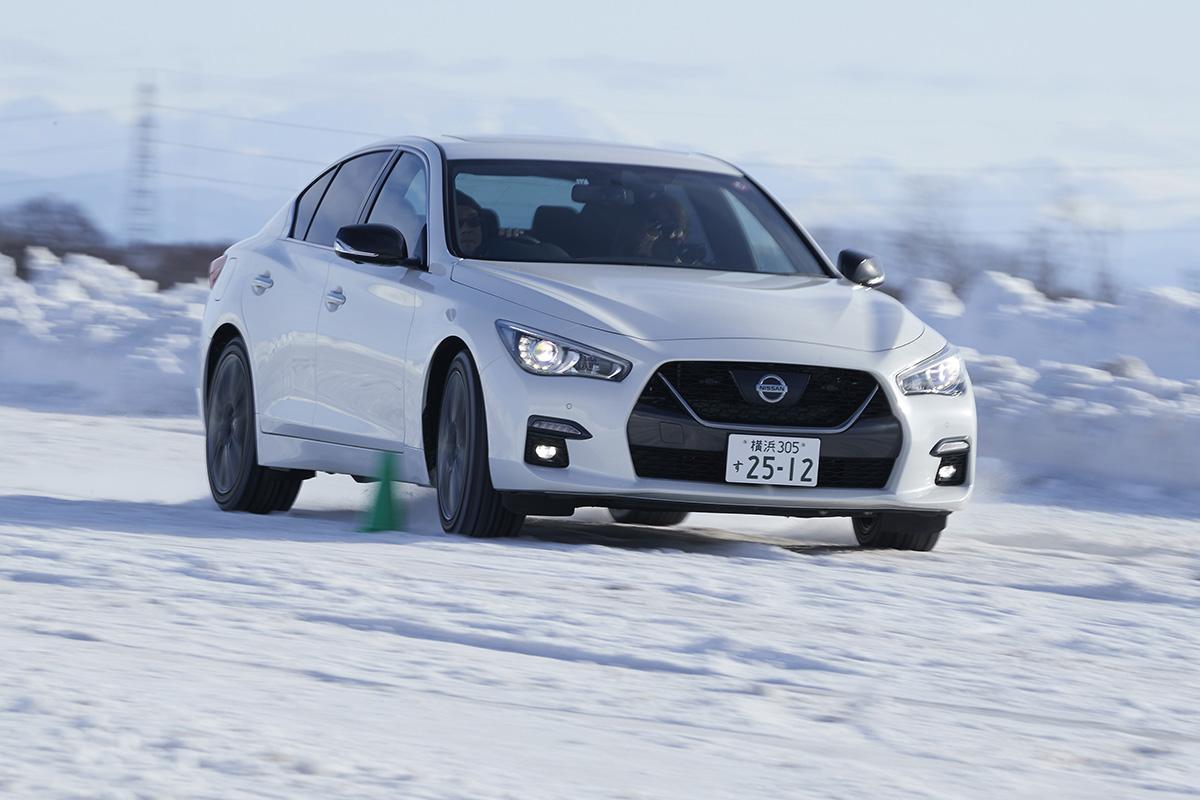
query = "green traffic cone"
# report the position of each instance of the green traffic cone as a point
(386, 514)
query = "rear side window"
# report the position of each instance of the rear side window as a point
(307, 204)
(345, 196)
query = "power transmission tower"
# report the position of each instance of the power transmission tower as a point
(141, 212)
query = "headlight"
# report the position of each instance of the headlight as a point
(942, 374)
(547, 354)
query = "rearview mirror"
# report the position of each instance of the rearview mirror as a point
(372, 244)
(859, 268)
(609, 195)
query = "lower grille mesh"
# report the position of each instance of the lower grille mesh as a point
(709, 466)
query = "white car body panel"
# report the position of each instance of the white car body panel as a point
(280, 330)
(714, 305)
(336, 389)
(361, 354)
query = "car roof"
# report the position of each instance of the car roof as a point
(550, 148)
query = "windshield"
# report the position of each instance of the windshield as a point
(575, 212)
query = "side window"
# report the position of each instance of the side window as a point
(345, 196)
(402, 201)
(307, 204)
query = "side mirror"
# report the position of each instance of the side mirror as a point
(372, 244)
(859, 268)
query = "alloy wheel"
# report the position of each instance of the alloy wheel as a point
(453, 447)
(228, 425)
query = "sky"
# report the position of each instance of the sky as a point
(943, 83)
(846, 100)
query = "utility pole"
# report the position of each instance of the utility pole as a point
(141, 207)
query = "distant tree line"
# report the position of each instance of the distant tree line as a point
(1065, 254)
(64, 227)
(1062, 256)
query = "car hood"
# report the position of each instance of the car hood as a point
(663, 303)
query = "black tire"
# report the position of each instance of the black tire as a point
(467, 502)
(655, 519)
(894, 531)
(288, 490)
(235, 478)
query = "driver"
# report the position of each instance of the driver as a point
(655, 230)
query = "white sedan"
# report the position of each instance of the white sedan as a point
(534, 326)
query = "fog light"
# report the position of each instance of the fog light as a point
(546, 451)
(952, 470)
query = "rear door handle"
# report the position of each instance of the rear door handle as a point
(260, 283)
(335, 299)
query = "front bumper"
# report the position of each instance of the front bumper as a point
(602, 471)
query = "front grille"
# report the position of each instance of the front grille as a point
(878, 407)
(709, 466)
(830, 398)
(656, 395)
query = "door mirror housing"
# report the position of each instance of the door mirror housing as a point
(859, 268)
(373, 244)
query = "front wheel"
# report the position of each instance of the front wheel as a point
(894, 531)
(467, 501)
(654, 519)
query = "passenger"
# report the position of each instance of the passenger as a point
(469, 218)
(476, 240)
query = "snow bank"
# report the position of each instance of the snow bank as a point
(1120, 426)
(90, 336)
(1072, 389)
(1007, 316)
(1076, 388)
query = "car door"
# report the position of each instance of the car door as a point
(365, 320)
(285, 282)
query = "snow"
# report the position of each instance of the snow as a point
(1088, 424)
(83, 334)
(153, 646)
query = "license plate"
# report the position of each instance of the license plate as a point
(777, 460)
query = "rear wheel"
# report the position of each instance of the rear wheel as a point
(237, 481)
(655, 519)
(467, 501)
(892, 531)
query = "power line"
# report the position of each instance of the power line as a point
(966, 171)
(209, 178)
(59, 114)
(61, 148)
(225, 180)
(235, 152)
(41, 179)
(263, 121)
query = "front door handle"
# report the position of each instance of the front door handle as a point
(335, 299)
(260, 283)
